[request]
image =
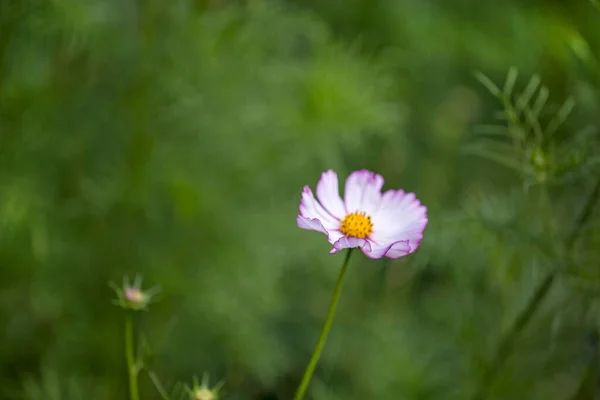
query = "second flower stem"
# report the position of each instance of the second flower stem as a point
(314, 359)
(130, 356)
(504, 350)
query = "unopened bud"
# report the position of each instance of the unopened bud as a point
(132, 297)
(204, 394)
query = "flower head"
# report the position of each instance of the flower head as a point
(204, 394)
(130, 296)
(134, 295)
(389, 224)
(202, 391)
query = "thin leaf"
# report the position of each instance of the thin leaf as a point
(509, 84)
(534, 123)
(540, 102)
(487, 82)
(499, 158)
(525, 97)
(561, 116)
(158, 385)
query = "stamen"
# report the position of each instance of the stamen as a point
(357, 225)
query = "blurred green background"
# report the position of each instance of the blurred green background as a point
(173, 138)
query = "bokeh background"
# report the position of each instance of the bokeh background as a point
(172, 139)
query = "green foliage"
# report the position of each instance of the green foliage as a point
(53, 387)
(173, 139)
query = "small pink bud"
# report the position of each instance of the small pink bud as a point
(131, 296)
(134, 295)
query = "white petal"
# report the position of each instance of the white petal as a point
(310, 208)
(310, 224)
(363, 192)
(328, 192)
(346, 242)
(400, 217)
(316, 225)
(392, 250)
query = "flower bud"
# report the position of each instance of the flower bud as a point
(203, 392)
(132, 297)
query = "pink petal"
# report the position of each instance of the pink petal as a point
(334, 235)
(393, 250)
(400, 217)
(310, 208)
(346, 242)
(316, 225)
(328, 192)
(310, 224)
(363, 191)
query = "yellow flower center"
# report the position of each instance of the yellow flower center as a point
(357, 225)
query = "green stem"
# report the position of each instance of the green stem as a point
(505, 347)
(314, 359)
(130, 355)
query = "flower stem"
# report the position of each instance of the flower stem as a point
(314, 359)
(130, 356)
(505, 347)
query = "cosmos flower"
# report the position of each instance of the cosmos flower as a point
(130, 296)
(389, 224)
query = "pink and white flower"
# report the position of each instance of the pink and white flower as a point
(389, 224)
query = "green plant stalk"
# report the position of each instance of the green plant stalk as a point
(130, 356)
(505, 347)
(314, 359)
